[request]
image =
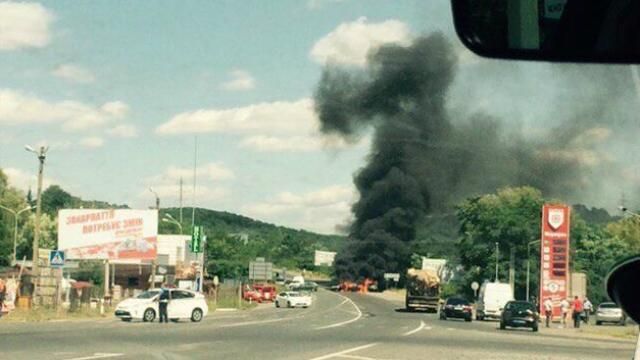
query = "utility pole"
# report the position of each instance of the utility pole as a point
(42, 155)
(512, 271)
(193, 210)
(153, 262)
(497, 259)
(529, 266)
(181, 200)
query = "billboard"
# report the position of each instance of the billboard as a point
(323, 258)
(554, 256)
(121, 234)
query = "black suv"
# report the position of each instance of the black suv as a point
(456, 307)
(519, 314)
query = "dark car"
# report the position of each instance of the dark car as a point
(455, 307)
(519, 314)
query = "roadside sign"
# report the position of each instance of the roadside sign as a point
(475, 286)
(56, 258)
(197, 236)
(392, 276)
(554, 255)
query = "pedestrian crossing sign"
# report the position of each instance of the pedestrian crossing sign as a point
(56, 258)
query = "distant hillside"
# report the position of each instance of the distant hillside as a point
(234, 240)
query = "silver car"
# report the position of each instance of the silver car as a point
(610, 312)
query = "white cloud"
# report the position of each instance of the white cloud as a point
(208, 188)
(262, 143)
(24, 25)
(17, 108)
(123, 131)
(350, 42)
(240, 80)
(316, 4)
(92, 142)
(271, 118)
(320, 210)
(210, 171)
(24, 180)
(170, 193)
(279, 126)
(73, 73)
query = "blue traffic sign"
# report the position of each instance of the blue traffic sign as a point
(56, 258)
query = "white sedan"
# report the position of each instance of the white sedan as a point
(183, 304)
(293, 299)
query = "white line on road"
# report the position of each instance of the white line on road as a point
(422, 325)
(342, 323)
(97, 356)
(346, 356)
(335, 354)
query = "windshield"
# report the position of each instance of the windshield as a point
(148, 294)
(520, 306)
(457, 302)
(326, 175)
(609, 306)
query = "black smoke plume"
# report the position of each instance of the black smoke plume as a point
(421, 161)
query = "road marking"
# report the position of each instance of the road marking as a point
(97, 356)
(356, 357)
(342, 323)
(343, 352)
(422, 325)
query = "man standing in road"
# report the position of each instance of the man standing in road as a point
(548, 311)
(564, 306)
(162, 305)
(578, 307)
(588, 308)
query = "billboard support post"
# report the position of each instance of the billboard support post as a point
(107, 279)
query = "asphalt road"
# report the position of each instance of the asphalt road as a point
(335, 327)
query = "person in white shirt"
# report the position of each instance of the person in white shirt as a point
(565, 306)
(588, 308)
(548, 311)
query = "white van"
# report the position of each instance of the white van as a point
(492, 299)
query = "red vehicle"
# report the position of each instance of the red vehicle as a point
(259, 293)
(267, 292)
(250, 294)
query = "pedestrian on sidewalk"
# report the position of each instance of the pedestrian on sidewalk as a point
(578, 308)
(162, 305)
(565, 306)
(588, 308)
(548, 311)
(3, 292)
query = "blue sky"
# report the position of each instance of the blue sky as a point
(96, 80)
(119, 90)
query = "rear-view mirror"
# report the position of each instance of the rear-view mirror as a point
(553, 30)
(622, 286)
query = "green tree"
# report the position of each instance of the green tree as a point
(48, 235)
(13, 199)
(628, 231)
(595, 251)
(510, 218)
(55, 198)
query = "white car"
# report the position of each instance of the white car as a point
(293, 299)
(183, 304)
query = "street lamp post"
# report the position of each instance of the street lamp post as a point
(42, 155)
(627, 211)
(529, 265)
(15, 226)
(170, 219)
(497, 259)
(153, 262)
